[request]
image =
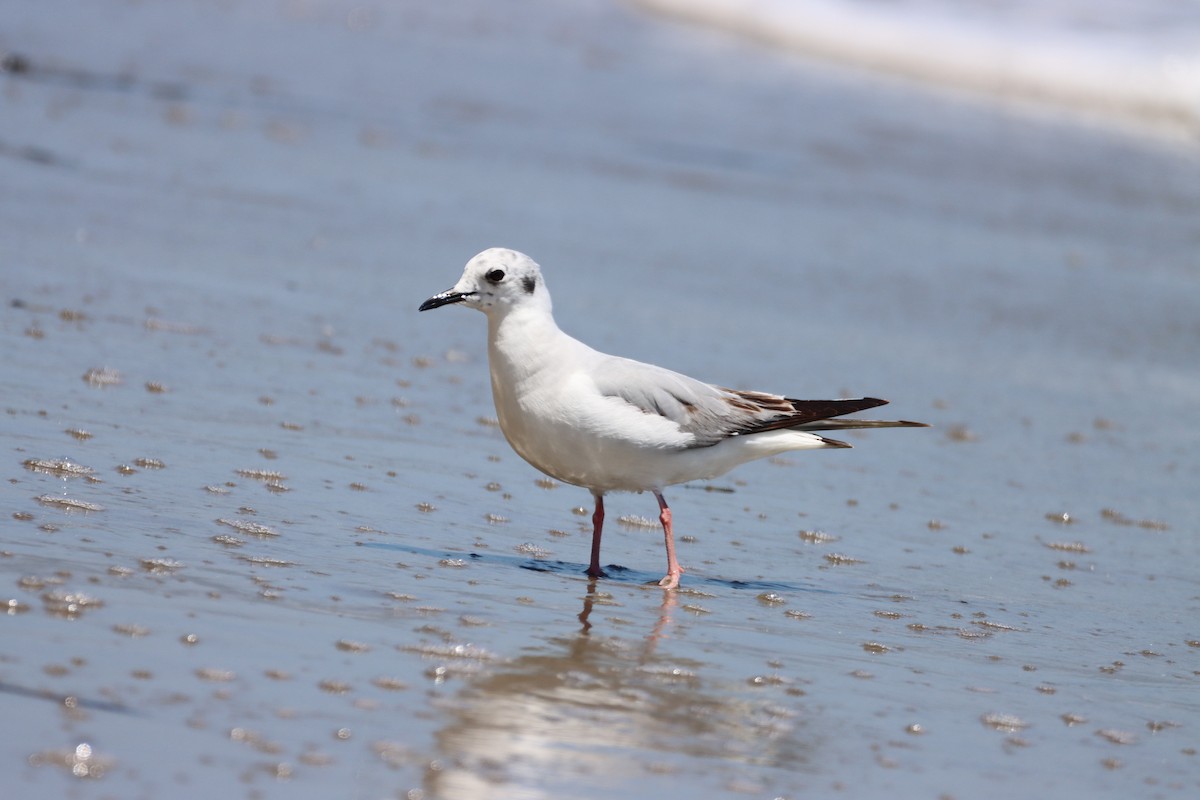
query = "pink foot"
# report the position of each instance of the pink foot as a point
(670, 581)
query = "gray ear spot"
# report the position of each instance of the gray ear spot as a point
(529, 283)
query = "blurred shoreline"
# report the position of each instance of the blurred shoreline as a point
(1134, 77)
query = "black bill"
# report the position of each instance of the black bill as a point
(444, 299)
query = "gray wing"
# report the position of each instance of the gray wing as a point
(710, 413)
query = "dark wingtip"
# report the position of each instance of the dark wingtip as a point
(836, 443)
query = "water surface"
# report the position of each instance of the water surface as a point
(264, 539)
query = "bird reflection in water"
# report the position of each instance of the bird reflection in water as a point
(612, 712)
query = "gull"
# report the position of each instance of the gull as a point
(612, 424)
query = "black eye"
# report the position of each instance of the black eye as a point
(495, 276)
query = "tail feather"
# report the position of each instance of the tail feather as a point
(827, 442)
(848, 424)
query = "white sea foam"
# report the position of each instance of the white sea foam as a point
(1137, 59)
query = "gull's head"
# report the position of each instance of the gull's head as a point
(496, 280)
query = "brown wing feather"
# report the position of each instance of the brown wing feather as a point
(792, 412)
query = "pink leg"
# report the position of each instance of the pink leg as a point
(671, 579)
(597, 526)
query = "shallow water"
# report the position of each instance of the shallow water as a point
(314, 568)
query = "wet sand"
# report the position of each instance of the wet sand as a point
(264, 539)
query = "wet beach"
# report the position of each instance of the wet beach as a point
(263, 536)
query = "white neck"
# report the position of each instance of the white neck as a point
(518, 342)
